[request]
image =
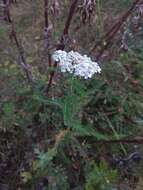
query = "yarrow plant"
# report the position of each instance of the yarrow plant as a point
(75, 63)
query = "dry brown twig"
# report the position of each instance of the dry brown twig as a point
(61, 46)
(110, 35)
(13, 35)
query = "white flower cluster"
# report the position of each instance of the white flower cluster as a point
(75, 63)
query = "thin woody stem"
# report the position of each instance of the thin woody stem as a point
(46, 32)
(46, 2)
(61, 46)
(13, 35)
(123, 141)
(109, 36)
(68, 23)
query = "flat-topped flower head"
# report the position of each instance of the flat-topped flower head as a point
(74, 62)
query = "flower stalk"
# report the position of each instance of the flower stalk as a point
(61, 46)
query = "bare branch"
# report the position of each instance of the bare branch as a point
(65, 33)
(13, 35)
(110, 35)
